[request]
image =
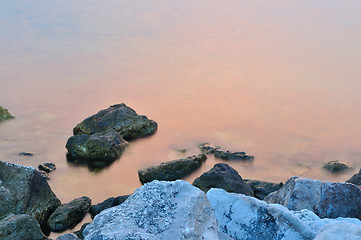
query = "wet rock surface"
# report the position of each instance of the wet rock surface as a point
(4, 114)
(20, 226)
(326, 199)
(68, 236)
(68, 215)
(24, 191)
(262, 188)
(28, 154)
(224, 177)
(355, 179)
(337, 166)
(47, 167)
(224, 154)
(118, 118)
(157, 210)
(108, 203)
(173, 170)
(208, 148)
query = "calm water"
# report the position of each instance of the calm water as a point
(279, 80)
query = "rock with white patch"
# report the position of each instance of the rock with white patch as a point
(326, 199)
(157, 210)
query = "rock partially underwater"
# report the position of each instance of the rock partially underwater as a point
(4, 114)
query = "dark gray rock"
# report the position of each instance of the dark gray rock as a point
(108, 203)
(105, 146)
(119, 118)
(355, 179)
(337, 166)
(225, 177)
(261, 188)
(68, 236)
(229, 155)
(79, 233)
(172, 170)
(4, 114)
(208, 148)
(47, 167)
(326, 199)
(28, 154)
(24, 191)
(68, 215)
(20, 226)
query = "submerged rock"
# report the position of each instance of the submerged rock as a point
(20, 226)
(157, 210)
(337, 166)
(28, 154)
(24, 191)
(172, 170)
(47, 167)
(326, 199)
(355, 179)
(225, 177)
(108, 203)
(119, 118)
(229, 155)
(68, 215)
(208, 148)
(105, 146)
(4, 114)
(261, 188)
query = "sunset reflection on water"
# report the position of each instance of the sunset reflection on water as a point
(278, 81)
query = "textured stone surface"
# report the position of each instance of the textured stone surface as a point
(106, 146)
(337, 166)
(208, 148)
(172, 170)
(47, 167)
(355, 179)
(68, 236)
(68, 215)
(225, 177)
(24, 191)
(261, 188)
(326, 199)
(230, 155)
(4, 114)
(157, 210)
(243, 217)
(108, 203)
(119, 118)
(20, 226)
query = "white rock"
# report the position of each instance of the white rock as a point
(157, 210)
(243, 217)
(337, 231)
(326, 199)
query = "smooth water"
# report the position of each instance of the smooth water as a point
(279, 80)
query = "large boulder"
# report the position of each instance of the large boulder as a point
(68, 215)
(108, 203)
(105, 146)
(262, 188)
(173, 170)
(119, 118)
(355, 179)
(20, 226)
(326, 199)
(225, 177)
(4, 114)
(24, 191)
(157, 210)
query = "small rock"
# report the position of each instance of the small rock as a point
(208, 148)
(229, 155)
(182, 150)
(108, 203)
(68, 236)
(326, 199)
(106, 146)
(68, 215)
(47, 167)
(119, 118)
(20, 227)
(261, 188)
(28, 154)
(355, 179)
(4, 114)
(225, 177)
(172, 170)
(79, 233)
(337, 166)
(44, 174)
(157, 210)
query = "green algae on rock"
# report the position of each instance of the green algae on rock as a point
(4, 114)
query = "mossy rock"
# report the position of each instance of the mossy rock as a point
(337, 166)
(4, 114)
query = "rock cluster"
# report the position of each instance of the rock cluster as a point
(173, 170)
(100, 137)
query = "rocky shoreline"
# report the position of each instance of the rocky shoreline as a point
(219, 204)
